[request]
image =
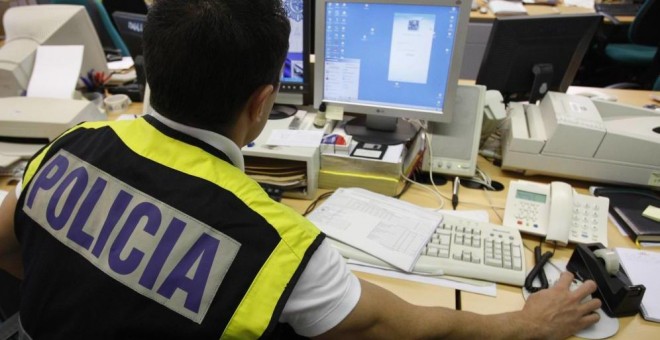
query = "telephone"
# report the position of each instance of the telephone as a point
(557, 212)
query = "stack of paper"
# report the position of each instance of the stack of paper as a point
(284, 173)
(502, 7)
(643, 267)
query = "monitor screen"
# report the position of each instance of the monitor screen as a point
(396, 58)
(295, 83)
(527, 56)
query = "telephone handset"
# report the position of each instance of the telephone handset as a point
(557, 212)
(561, 211)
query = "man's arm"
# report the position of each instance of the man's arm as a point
(10, 250)
(554, 313)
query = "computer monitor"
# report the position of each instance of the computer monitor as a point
(527, 56)
(130, 27)
(389, 59)
(28, 27)
(295, 83)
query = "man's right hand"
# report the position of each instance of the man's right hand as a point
(558, 312)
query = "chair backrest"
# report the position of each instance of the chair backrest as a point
(105, 28)
(644, 29)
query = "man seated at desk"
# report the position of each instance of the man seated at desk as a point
(149, 228)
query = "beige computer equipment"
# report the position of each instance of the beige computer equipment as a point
(28, 27)
(27, 124)
(576, 137)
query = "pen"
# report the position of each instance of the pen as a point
(454, 195)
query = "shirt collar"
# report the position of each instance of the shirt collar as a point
(216, 140)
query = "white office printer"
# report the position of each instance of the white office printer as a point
(576, 137)
(27, 124)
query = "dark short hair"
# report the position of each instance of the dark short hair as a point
(204, 58)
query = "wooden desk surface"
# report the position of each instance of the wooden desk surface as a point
(532, 9)
(508, 298)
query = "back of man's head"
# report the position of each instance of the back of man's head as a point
(204, 58)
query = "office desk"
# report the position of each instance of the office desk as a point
(508, 298)
(534, 9)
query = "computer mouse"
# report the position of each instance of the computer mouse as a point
(604, 328)
(483, 9)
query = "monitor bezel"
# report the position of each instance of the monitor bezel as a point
(391, 111)
(296, 93)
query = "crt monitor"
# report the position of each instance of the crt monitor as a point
(527, 56)
(389, 59)
(28, 27)
(295, 83)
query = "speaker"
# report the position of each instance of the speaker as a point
(455, 145)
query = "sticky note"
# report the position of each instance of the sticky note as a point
(652, 213)
(335, 112)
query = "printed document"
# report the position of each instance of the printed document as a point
(392, 230)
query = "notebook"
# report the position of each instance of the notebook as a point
(627, 206)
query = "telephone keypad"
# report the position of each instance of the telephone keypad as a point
(586, 219)
(527, 213)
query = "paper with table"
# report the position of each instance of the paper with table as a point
(392, 230)
(643, 267)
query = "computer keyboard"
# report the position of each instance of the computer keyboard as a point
(617, 9)
(465, 248)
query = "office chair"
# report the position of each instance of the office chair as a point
(105, 27)
(639, 55)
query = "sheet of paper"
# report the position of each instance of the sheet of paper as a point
(580, 3)
(295, 138)
(3, 194)
(123, 64)
(56, 71)
(392, 230)
(335, 112)
(643, 267)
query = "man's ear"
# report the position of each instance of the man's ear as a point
(258, 100)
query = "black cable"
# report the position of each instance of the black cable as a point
(313, 205)
(538, 271)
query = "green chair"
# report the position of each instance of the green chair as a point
(639, 54)
(110, 39)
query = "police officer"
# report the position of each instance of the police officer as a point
(150, 228)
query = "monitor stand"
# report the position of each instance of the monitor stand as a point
(541, 85)
(380, 130)
(281, 111)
